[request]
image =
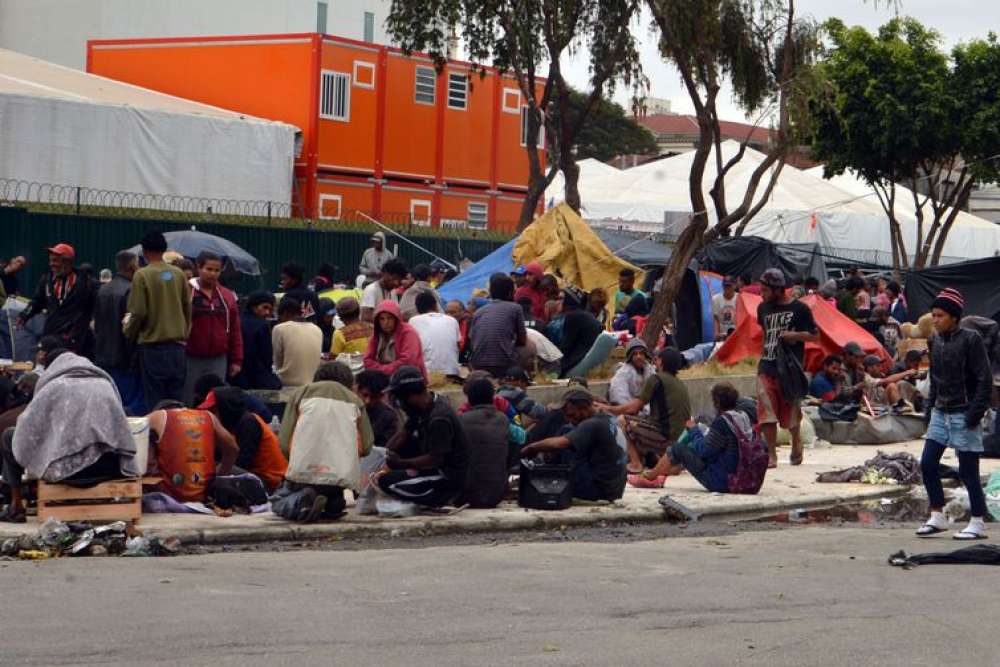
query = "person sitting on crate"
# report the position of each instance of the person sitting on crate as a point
(427, 460)
(91, 442)
(599, 463)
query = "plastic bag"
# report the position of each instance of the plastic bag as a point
(392, 508)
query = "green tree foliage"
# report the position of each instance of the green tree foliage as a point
(900, 111)
(765, 52)
(528, 39)
(608, 131)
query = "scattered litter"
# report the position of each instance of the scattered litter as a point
(550, 648)
(80, 538)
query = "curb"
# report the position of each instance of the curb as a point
(510, 522)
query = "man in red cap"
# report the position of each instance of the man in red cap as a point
(533, 273)
(67, 297)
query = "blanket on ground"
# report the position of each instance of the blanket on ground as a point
(901, 467)
(75, 417)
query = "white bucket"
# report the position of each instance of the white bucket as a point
(140, 435)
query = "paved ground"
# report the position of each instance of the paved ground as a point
(785, 488)
(798, 596)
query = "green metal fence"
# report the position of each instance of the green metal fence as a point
(97, 239)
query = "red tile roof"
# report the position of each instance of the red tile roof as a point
(683, 125)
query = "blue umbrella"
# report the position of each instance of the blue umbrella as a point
(191, 243)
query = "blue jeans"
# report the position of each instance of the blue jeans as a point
(129, 386)
(163, 367)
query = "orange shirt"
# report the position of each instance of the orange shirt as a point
(269, 464)
(185, 454)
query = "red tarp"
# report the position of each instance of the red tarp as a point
(835, 331)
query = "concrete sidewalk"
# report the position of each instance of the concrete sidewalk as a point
(785, 488)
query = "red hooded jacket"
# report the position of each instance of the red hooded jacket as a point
(215, 325)
(409, 350)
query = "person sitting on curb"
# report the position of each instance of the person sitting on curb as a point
(513, 387)
(370, 386)
(394, 343)
(710, 458)
(881, 391)
(352, 338)
(828, 383)
(427, 460)
(260, 451)
(325, 433)
(186, 441)
(669, 410)
(488, 434)
(599, 466)
(629, 379)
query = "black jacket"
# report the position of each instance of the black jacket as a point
(258, 355)
(960, 374)
(580, 330)
(310, 303)
(112, 351)
(68, 315)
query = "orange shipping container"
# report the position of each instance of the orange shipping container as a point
(368, 113)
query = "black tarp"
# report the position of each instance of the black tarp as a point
(637, 250)
(753, 255)
(978, 281)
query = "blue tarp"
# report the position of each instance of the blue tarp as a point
(478, 275)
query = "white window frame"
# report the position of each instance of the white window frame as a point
(485, 217)
(455, 76)
(340, 206)
(334, 76)
(360, 65)
(424, 222)
(524, 129)
(427, 71)
(514, 108)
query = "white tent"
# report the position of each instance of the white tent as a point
(803, 208)
(64, 127)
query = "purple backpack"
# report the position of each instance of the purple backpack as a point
(752, 465)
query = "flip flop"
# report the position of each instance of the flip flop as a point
(928, 530)
(967, 536)
(642, 482)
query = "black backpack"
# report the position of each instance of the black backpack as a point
(791, 375)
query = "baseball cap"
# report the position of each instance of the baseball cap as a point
(408, 379)
(574, 394)
(915, 355)
(853, 349)
(63, 250)
(517, 373)
(872, 360)
(773, 278)
(519, 271)
(209, 401)
(728, 281)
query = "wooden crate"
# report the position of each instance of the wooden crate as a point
(119, 500)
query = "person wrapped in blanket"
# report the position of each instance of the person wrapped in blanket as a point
(710, 457)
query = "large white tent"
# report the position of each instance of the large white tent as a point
(64, 127)
(803, 208)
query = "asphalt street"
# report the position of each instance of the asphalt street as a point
(815, 595)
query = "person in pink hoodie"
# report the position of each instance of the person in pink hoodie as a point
(394, 343)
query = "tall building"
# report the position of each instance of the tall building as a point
(383, 134)
(58, 30)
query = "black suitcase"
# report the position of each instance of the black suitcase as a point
(545, 486)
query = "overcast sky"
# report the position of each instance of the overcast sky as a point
(956, 20)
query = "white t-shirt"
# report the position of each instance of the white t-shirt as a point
(724, 310)
(439, 336)
(375, 294)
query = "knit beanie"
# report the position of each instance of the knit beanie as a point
(950, 301)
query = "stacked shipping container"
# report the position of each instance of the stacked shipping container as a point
(383, 134)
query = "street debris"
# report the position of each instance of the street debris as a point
(55, 538)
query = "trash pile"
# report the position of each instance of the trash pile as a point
(898, 468)
(55, 539)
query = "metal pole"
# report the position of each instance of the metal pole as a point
(268, 213)
(78, 200)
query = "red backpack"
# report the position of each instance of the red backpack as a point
(752, 465)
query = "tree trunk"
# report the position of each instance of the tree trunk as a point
(684, 250)
(529, 209)
(571, 177)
